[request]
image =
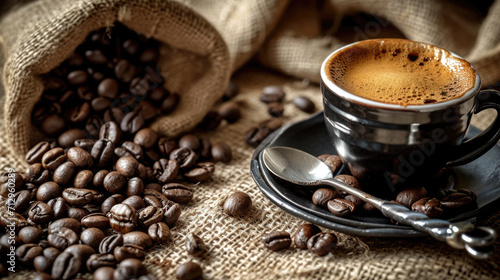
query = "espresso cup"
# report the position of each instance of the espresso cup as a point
(392, 128)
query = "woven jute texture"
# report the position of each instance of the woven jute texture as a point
(235, 249)
(204, 42)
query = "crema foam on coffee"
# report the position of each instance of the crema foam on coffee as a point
(398, 71)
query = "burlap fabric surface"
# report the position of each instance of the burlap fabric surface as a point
(285, 42)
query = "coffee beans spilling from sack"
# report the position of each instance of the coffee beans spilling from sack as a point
(107, 188)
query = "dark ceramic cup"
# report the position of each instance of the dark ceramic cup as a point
(390, 146)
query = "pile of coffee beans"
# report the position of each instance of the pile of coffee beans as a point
(106, 188)
(307, 236)
(428, 201)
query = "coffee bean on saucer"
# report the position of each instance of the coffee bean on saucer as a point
(408, 196)
(276, 241)
(302, 235)
(456, 199)
(238, 203)
(428, 206)
(189, 271)
(322, 243)
(333, 161)
(340, 207)
(194, 245)
(349, 180)
(304, 104)
(272, 94)
(323, 195)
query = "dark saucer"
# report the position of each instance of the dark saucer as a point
(481, 176)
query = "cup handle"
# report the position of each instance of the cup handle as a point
(477, 146)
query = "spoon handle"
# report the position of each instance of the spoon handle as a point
(477, 241)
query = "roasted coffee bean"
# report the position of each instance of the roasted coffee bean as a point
(277, 240)
(102, 152)
(30, 234)
(322, 243)
(146, 138)
(76, 213)
(231, 90)
(238, 203)
(85, 93)
(53, 125)
(96, 261)
(275, 109)
(146, 173)
(221, 152)
(128, 251)
(115, 114)
(428, 206)
(122, 218)
(26, 253)
(408, 196)
(92, 237)
(108, 88)
(114, 182)
(80, 113)
(189, 141)
(85, 144)
(349, 180)
(272, 94)
(369, 208)
(12, 220)
(149, 55)
(159, 232)
(100, 104)
(169, 104)
(110, 202)
(211, 121)
(340, 207)
(333, 161)
(48, 191)
(42, 276)
(19, 202)
(97, 220)
(98, 180)
(77, 77)
(151, 200)
(103, 273)
(129, 269)
(200, 172)
(95, 57)
(157, 94)
(194, 245)
(151, 155)
(135, 201)
(358, 202)
(166, 146)
(80, 157)
(9, 180)
(59, 207)
(66, 266)
(42, 264)
(109, 243)
(302, 235)
(39, 212)
(93, 126)
(139, 86)
(323, 195)
(70, 223)
(166, 170)
(111, 131)
(148, 111)
(67, 138)
(135, 186)
(254, 136)
(172, 212)
(177, 192)
(37, 174)
(127, 166)
(138, 238)
(129, 148)
(78, 197)
(230, 111)
(456, 199)
(304, 104)
(63, 175)
(36, 153)
(62, 237)
(53, 158)
(51, 253)
(125, 71)
(83, 179)
(189, 271)
(132, 122)
(205, 148)
(149, 215)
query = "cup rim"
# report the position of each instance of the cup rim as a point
(335, 89)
